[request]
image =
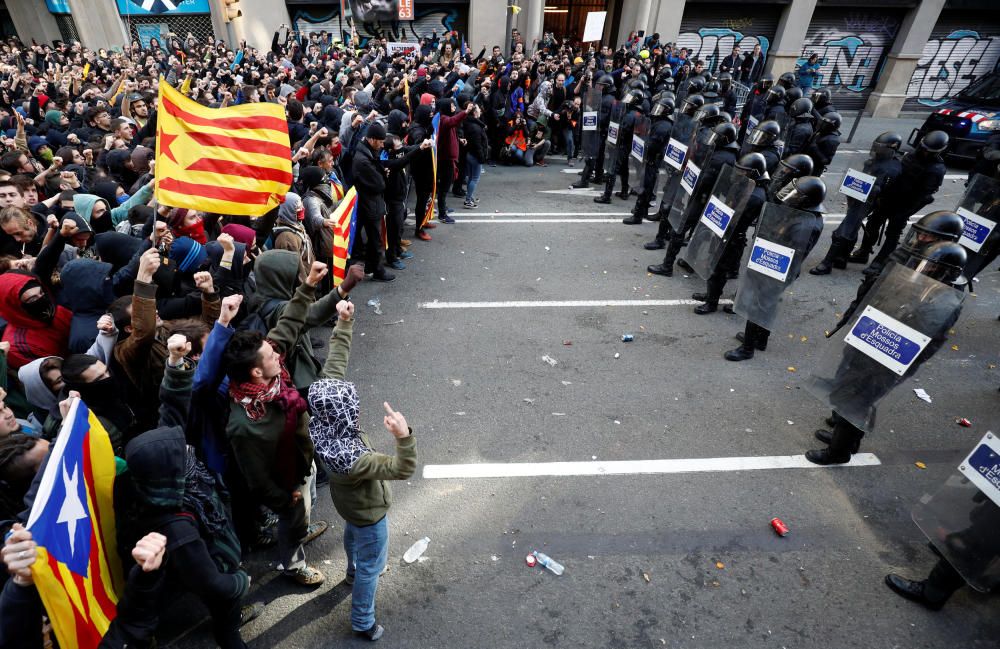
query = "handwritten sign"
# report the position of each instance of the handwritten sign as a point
(886, 340)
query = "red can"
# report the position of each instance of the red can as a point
(965, 423)
(779, 527)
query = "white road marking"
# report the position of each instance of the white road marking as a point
(618, 221)
(626, 467)
(531, 304)
(573, 192)
(563, 213)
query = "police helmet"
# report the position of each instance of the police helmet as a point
(796, 165)
(644, 78)
(800, 107)
(941, 225)
(705, 112)
(692, 103)
(775, 95)
(941, 260)
(830, 123)
(934, 142)
(787, 80)
(724, 135)
(663, 104)
(634, 97)
(695, 84)
(886, 145)
(792, 95)
(725, 82)
(821, 97)
(753, 166)
(766, 133)
(636, 83)
(805, 193)
(712, 89)
(765, 82)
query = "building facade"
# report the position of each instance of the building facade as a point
(884, 56)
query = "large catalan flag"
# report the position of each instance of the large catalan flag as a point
(429, 211)
(78, 573)
(345, 218)
(234, 160)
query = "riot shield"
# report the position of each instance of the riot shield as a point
(980, 209)
(961, 519)
(783, 239)
(690, 182)
(680, 140)
(900, 324)
(590, 114)
(614, 129)
(718, 219)
(637, 157)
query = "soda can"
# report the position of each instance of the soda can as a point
(963, 422)
(779, 527)
(627, 338)
(531, 560)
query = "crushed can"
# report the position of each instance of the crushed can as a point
(779, 527)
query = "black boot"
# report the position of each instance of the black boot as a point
(710, 306)
(911, 590)
(700, 297)
(759, 342)
(684, 265)
(823, 435)
(661, 269)
(624, 193)
(640, 212)
(859, 256)
(835, 258)
(742, 353)
(844, 442)
(584, 181)
(609, 184)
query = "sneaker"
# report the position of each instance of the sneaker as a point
(313, 531)
(396, 265)
(475, 201)
(423, 236)
(450, 210)
(406, 255)
(570, 163)
(541, 163)
(468, 205)
(373, 633)
(306, 576)
(265, 539)
(250, 612)
(446, 219)
(385, 276)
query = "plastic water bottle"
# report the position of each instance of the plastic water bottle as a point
(549, 562)
(416, 550)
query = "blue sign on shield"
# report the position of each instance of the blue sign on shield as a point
(887, 340)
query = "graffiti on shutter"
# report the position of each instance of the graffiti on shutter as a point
(950, 63)
(714, 44)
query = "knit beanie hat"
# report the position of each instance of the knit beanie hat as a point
(241, 234)
(187, 253)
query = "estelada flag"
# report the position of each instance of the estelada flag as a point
(345, 219)
(234, 160)
(77, 573)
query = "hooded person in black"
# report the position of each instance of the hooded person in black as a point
(422, 168)
(396, 156)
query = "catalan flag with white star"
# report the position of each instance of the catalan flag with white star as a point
(72, 521)
(345, 219)
(235, 160)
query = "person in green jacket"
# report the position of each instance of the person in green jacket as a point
(268, 427)
(357, 473)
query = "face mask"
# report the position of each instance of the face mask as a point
(42, 309)
(123, 198)
(46, 156)
(336, 150)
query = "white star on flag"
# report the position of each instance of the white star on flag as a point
(72, 508)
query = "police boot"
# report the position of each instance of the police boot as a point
(640, 212)
(662, 233)
(759, 341)
(845, 441)
(915, 591)
(609, 184)
(584, 181)
(835, 258)
(746, 350)
(655, 216)
(624, 193)
(711, 304)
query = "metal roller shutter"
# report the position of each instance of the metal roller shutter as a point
(710, 31)
(852, 45)
(964, 45)
(199, 25)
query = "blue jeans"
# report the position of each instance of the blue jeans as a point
(367, 549)
(568, 144)
(474, 169)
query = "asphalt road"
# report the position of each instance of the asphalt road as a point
(663, 560)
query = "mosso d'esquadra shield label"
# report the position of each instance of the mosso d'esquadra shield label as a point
(689, 178)
(982, 467)
(717, 216)
(675, 154)
(977, 229)
(613, 133)
(638, 148)
(886, 340)
(590, 120)
(857, 185)
(771, 259)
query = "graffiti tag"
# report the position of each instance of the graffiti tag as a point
(424, 25)
(947, 65)
(853, 61)
(714, 44)
(884, 25)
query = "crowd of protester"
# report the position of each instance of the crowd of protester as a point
(187, 333)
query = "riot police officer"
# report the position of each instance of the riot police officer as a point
(921, 177)
(754, 167)
(724, 153)
(636, 103)
(803, 199)
(883, 164)
(662, 118)
(800, 126)
(790, 168)
(821, 102)
(755, 106)
(727, 93)
(764, 140)
(595, 165)
(825, 141)
(775, 100)
(859, 381)
(787, 80)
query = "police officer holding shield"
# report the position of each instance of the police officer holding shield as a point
(633, 107)
(661, 115)
(598, 102)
